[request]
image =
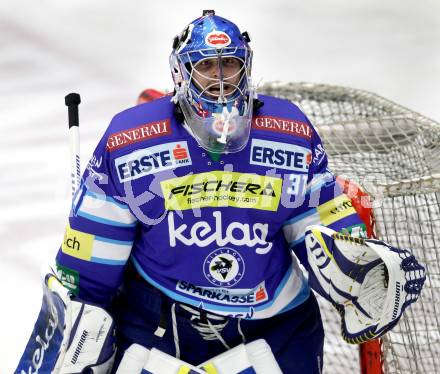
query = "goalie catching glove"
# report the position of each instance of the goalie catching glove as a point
(368, 281)
(69, 336)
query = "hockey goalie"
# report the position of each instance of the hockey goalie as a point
(182, 249)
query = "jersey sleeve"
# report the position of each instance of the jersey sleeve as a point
(99, 234)
(322, 203)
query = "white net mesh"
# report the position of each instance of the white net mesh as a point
(394, 154)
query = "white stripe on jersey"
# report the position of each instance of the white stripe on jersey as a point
(296, 228)
(105, 209)
(292, 291)
(111, 249)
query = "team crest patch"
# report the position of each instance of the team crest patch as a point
(224, 267)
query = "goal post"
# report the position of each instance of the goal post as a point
(393, 153)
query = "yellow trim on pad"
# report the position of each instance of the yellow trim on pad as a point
(184, 370)
(321, 240)
(210, 368)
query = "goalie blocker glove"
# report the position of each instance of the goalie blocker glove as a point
(368, 281)
(69, 336)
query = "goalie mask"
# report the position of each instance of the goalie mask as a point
(211, 65)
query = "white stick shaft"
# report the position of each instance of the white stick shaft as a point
(75, 163)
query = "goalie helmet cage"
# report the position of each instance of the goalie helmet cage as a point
(394, 154)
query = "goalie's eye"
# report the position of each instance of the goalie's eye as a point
(229, 65)
(230, 62)
(206, 65)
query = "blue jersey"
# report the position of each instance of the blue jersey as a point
(222, 233)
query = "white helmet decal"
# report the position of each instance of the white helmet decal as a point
(217, 39)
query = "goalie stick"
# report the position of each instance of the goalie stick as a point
(72, 101)
(70, 335)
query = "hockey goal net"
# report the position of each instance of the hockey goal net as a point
(394, 154)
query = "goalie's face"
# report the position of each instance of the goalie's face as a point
(218, 77)
(215, 97)
(211, 66)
